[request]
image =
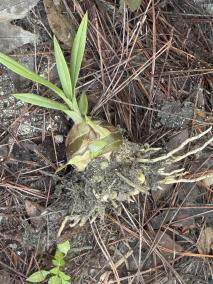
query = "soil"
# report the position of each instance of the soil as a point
(126, 223)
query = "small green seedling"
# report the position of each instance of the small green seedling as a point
(55, 275)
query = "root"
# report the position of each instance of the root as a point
(171, 180)
(179, 148)
(162, 173)
(178, 175)
(137, 189)
(109, 184)
(194, 151)
(74, 219)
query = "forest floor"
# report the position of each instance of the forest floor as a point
(148, 72)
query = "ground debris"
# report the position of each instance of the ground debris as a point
(34, 211)
(205, 242)
(85, 196)
(120, 44)
(11, 35)
(61, 24)
(5, 277)
(176, 115)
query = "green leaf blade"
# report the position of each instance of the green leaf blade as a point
(38, 276)
(41, 101)
(64, 276)
(75, 116)
(78, 50)
(64, 247)
(54, 280)
(59, 259)
(63, 70)
(55, 270)
(23, 71)
(31, 75)
(83, 104)
(65, 281)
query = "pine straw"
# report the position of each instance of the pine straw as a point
(137, 58)
(135, 62)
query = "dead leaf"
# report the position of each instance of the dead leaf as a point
(13, 36)
(165, 242)
(205, 242)
(61, 25)
(34, 211)
(208, 181)
(183, 219)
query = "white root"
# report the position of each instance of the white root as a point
(171, 180)
(172, 177)
(179, 148)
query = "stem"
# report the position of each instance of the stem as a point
(75, 103)
(97, 128)
(75, 116)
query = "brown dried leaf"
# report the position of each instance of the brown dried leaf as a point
(208, 181)
(184, 218)
(205, 243)
(34, 211)
(165, 241)
(61, 25)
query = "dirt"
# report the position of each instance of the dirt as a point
(86, 196)
(120, 208)
(174, 115)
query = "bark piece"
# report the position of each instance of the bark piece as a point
(61, 25)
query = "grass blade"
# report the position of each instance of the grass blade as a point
(83, 104)
(78, 50)
(75, 116)
(40, 101)
(63, 70)
(28, 74)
